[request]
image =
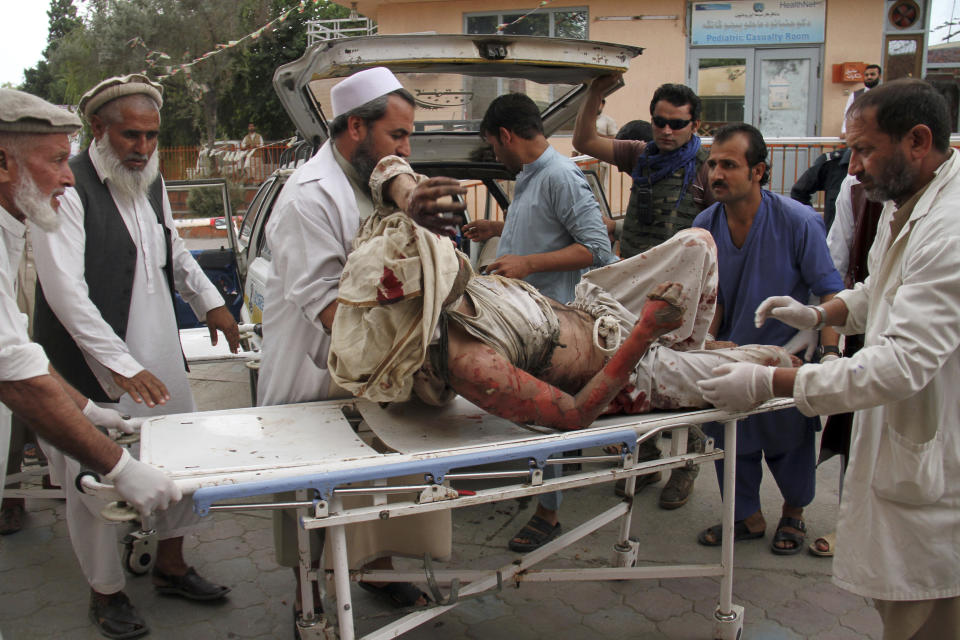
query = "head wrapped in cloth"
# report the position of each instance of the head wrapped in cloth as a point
(392, 291)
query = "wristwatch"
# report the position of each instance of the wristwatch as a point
(826, 349)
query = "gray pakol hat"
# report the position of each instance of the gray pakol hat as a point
(117, 87)
(22, 112)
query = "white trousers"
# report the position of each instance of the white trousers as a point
(94, 539)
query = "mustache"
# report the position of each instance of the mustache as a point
(718, 183)
(136, 157)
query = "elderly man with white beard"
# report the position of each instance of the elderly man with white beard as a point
(105, 315)
(34, 173)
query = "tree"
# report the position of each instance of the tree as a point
(211, 98)
(62, 21)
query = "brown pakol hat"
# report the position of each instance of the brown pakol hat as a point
(117, 87)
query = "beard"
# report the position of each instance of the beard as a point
(131, 183)
(895, 181)
(364, 161)
(34, 205)
(870, 84)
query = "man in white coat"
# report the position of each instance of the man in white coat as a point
(105, 315)
(310, 233)
(34, 148)
(897, 534)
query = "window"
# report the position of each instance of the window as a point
(557, 23)
(562, 22)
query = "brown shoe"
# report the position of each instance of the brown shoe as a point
(11, 518)
(620, 488)
(678, 489)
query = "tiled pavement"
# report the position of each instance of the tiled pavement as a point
(43, 595)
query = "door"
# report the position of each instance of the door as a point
(722, 80)
(787, 92)
(776, 90)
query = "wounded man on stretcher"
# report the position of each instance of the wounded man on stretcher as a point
(413, 317)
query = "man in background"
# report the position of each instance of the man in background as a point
(871, 78)
(666, 194)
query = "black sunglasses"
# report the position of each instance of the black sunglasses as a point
(675, 124)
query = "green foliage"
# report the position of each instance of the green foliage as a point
(252, 98)
(207, 202)
(218, 96)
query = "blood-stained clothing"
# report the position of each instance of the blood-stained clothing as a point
(898, 533)
(310, 234)
(519, 322)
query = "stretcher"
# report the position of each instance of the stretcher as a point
(197, 350)
(313, 449)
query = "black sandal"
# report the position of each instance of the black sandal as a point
(788, 536)
(537, 532)
(740, 532)
(400, 594)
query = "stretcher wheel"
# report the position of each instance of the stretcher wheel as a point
(139, 552)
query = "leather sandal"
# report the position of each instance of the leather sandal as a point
(781, 535)
(115, 616)
(190, 585)
(537, 532)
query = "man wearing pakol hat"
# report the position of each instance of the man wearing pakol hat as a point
(105, 315)
(310, 233)
(34, 147)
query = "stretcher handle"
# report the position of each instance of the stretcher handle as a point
(116, 508)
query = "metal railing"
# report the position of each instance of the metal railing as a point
(789, 158)
(323, 30)
(227, 160)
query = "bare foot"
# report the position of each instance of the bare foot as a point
(665, 317)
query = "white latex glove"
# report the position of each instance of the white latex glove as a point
(145, 487)
(111, 419)
(806, 341)
(738, 386)
(788, 311)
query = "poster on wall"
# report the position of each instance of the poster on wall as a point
(742, 23)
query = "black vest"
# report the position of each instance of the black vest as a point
(110, 262)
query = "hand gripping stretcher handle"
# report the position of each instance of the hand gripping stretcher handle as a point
(115, 507)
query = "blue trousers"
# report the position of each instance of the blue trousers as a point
(793, 470)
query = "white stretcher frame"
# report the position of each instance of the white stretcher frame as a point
(211, 487)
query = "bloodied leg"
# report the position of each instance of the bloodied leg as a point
(489, 380)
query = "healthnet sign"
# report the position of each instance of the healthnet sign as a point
(747, 24)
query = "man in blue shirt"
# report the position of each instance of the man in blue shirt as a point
(554, 230)
(767, 245)
(553, 233)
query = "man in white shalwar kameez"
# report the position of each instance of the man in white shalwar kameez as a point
(898, 533)
(314, 222)
(34, 148)
(105, 314)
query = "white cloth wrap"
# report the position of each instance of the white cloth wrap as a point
(391, 294)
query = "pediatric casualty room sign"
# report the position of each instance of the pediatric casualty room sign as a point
(744, 24)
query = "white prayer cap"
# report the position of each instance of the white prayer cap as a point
(361, 88)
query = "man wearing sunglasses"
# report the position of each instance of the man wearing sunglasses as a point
(668, 191)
